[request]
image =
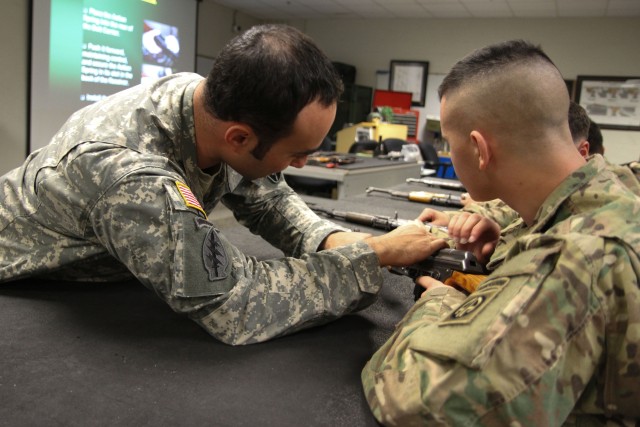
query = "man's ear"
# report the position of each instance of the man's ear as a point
(483, 148)
(583, 148)
(240, 137)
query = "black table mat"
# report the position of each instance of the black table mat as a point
(85, 354)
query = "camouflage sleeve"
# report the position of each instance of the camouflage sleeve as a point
(289, 226)
(172, 248)
(521, 350)
(495, 210)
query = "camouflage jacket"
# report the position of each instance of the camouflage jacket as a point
(117, 194)
(512, 231)
(550, 338)
(501, 213)
(512, 226)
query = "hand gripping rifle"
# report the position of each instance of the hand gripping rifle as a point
(453, 267)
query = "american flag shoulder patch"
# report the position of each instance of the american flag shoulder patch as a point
(189, 199)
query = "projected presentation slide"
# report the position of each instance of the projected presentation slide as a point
(86, 50)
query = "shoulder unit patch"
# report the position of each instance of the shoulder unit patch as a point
(475, 302)
(214, 255)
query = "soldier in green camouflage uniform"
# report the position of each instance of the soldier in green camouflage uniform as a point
(551, 336)
(123, 189)
(500, 212)
(510, 223)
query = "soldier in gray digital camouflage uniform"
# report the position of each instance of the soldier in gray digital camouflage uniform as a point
(123, 190)
(551, 337)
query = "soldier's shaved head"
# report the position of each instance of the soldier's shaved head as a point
(512, 88)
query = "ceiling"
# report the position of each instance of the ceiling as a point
(369, 9)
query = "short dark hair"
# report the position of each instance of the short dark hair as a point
(579, 123)
(265, 76)
(490, 59)
(595, 139)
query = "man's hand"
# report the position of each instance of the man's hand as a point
(428, 283)
(475, 233)
(405, 245)
(342, 238)
(434, 217)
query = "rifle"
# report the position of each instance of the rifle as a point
(451, 266)
(422, 196)
(381, 222)
(439, 182)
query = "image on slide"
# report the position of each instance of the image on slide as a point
(160, 50)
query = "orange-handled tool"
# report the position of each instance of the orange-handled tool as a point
(421, 196)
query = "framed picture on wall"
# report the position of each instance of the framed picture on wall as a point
(570, 85)
(410, 76)
(611, 102)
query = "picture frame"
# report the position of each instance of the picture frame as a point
(570, 87)
(410, 76)
(613, 102)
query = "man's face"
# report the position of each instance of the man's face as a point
(310, 128)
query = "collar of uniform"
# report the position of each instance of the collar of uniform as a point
(569, 186)
(199, 181)
(186, 146)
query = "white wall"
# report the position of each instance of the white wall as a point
(604, 46)
(14, 36)
(578, 46)
(621, 146)
(215, 27)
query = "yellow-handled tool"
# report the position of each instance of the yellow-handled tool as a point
(421, 196)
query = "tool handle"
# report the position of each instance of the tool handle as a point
(420, 196)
